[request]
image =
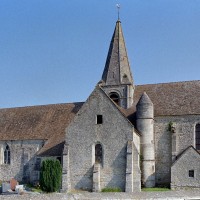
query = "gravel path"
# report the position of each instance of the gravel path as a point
(180, 195)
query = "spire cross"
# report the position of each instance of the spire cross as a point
(118, 8)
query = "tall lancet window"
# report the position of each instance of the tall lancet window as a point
(7, 155)
(115, 97)
(98, 153)
(197, 136)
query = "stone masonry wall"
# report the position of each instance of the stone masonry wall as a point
(125, 93)
(22, 165)
(113, 134)
(188, 161)
(168, 145)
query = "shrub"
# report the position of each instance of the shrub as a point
(50, 175)
(111, 190)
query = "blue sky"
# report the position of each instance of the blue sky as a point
(55, 51)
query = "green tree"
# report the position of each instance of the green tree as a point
(50, 175)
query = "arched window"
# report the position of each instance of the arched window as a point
(115, 97)
(7, 155)
(197, 136)
(98, 153)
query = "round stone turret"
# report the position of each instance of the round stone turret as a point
(145, 107)
(145, 124)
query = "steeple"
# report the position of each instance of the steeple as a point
(117, 68)
(117, 78)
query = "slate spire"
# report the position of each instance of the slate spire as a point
(117, 69)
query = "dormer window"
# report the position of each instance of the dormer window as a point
(125, 78)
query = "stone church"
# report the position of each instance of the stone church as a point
(123, 136)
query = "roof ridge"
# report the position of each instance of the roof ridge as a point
(167, 83)
(180, 155)
(45, 105)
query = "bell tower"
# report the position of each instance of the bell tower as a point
(117, 79)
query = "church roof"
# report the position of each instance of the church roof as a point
(117, 69)
(176, 98)
(48, 122)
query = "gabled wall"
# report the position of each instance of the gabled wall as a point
(188, 161)
(113, 134)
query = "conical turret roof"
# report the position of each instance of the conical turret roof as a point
(144, 99)
(117, 69)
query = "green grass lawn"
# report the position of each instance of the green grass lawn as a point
(111, 190)
(155, 189)
(32, 188)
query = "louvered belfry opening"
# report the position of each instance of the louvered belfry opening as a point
(115, 97)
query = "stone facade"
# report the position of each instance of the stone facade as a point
(23, 160)
(168, 145)
(113, 134)
(185, 170)
(125, 93)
